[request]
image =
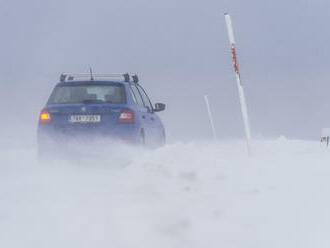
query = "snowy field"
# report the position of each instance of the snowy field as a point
(182, 195)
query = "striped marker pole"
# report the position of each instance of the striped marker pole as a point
(241, 94)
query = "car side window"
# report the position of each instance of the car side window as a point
(145, 98)
(136, 95)
(132, 94)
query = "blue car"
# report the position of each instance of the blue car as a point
(111, 107)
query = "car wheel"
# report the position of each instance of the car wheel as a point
(163, 141)
(141, 139)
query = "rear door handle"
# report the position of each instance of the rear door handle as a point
(143, 116)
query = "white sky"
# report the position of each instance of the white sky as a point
(181, 51)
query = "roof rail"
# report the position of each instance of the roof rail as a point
(126, 77)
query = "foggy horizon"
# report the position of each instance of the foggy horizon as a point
(181, 52)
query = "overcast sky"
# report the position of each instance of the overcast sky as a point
(181, 52)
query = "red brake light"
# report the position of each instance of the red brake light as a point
(44, 117)
(126, 116)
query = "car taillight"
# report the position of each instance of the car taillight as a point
(126, 116)
(44, 117)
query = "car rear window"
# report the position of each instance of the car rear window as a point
(88, 94)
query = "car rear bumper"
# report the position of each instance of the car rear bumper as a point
(124, 133)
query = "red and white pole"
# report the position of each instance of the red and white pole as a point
(241, 94)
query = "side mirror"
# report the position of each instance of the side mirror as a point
(159, 107)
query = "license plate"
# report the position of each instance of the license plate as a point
(84, 118)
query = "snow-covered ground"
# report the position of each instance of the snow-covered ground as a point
(181, 195)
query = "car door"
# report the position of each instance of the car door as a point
(143, 113)
(152, 118)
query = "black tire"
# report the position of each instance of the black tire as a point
(163, 141)
(141, 139)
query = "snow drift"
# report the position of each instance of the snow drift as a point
(181, 195)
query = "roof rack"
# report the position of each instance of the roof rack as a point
(126, 77)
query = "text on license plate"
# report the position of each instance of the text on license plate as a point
(84, 118)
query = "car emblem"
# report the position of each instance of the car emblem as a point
(83, 109)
